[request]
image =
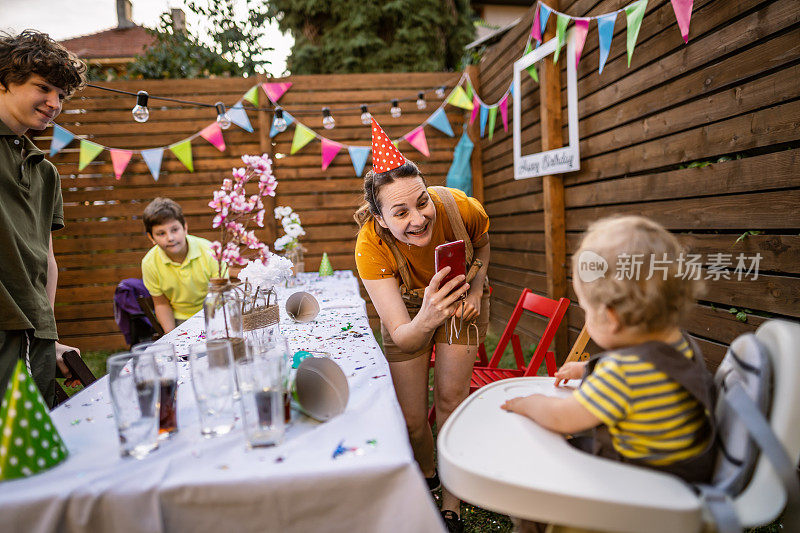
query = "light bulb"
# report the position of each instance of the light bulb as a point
(140, 112)
(395, 111)
(440, 92)
(279, 123)
(328, 121)
(366, 116)
(223, 119)
(421, 104)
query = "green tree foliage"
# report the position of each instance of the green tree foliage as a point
(233, 47)
(338, 36)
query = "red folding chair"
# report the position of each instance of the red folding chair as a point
(554, 311)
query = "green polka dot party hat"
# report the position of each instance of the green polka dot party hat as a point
(29, 442)
(325, 268)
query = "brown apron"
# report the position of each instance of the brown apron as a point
(692, 375)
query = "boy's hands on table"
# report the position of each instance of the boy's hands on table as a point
(568, 371)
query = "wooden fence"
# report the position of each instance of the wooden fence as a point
(703, 137)
(104, 239)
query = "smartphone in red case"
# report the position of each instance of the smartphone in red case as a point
(452, 254)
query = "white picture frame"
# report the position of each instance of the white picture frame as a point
(559, 160)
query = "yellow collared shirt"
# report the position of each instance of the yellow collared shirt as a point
(186, 284)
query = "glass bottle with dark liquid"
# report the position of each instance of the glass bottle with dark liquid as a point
(168, 416)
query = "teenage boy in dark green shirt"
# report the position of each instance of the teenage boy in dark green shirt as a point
(36, 75)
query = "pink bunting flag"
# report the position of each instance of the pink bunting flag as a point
(476, 107)
(275, 90)
(581, 29)
(418, 140)
(213, 134)
(504, 111)
(536, 30)
(683, 12)
(329, 151)
(120, 160)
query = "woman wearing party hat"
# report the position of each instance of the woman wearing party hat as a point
(402, 222)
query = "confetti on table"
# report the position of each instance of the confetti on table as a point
(76, 421)
(347, 327)
(341, 449)
(372, 442)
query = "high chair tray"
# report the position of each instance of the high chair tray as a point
(509, 464)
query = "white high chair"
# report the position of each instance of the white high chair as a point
(507, 463)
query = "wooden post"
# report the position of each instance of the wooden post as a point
(553, 186)
(474, 132)
(265, 145)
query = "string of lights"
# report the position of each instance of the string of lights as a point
(141, 112)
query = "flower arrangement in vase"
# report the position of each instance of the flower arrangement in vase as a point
(290, 242)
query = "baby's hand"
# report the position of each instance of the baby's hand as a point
(519, 405)
(573, 370)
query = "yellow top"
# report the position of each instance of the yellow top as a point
(186, 284)
(374, 259)
(650, 417)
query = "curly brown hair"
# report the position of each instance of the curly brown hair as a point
(33, 52)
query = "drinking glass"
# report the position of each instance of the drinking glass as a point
(133, 383)
(167, 364)
(260, 375)
(211, 367)
(273, 344)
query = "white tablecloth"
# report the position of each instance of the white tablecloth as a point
(196, 484)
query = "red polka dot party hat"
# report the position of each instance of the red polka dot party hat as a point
(385, 155)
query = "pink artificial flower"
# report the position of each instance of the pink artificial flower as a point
(260, 218)
(217, 222)
(238, 203)
(239, 173)
(216, 250)
(227, 184)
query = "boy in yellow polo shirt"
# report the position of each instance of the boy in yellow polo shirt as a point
(177, 269)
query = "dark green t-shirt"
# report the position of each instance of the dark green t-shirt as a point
(30, 208)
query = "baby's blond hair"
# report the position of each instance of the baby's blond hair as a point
(645, 304)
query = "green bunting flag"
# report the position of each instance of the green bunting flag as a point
(531, 69)
(469, 91)
(252, 95)
(89, 151)
(460, 99)
(29, 442)
(183, 151)
(302, 136)
(325, 268)
(492, 119)
(561, 33)
(634, 14)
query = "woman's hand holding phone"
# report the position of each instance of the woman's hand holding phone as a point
(440, 302)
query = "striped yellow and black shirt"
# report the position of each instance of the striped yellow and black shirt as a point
(651, 418)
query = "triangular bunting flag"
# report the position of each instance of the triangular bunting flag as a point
(30, 441)
(469, 90)
(605, 31)
(504, 112)
(561, 33)
(418, 140)
(536, 29)
(476, 107)
(581, 29)
(89, 151)
(531, 70)
(544, 14)
(460, 99)
(683, 13)
(484, 116)
(358, 155)
(460, 174)
(634, 14)
(302, 136)
(329, 151)
(213, 134)
(440, 121)
(273, 131)
(492, 119)
(252, 95)
(61, 138)
(385, 155)
(238, 116)
(120, 160)
(275, 90)
(183, 151)
(153, 159)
